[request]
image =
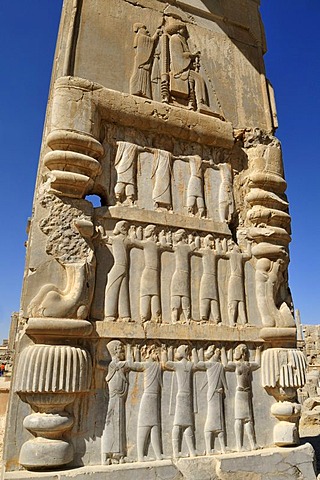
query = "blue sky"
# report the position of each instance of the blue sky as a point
(27, 42)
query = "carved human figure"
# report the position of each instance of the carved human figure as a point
(195, 185)
(144, 45)
(217, 385)
(208, 292)
(117, 289)
(161, 174)
(236, 293)
(243, 410)
(183, 423)
(149, 423)
(226, 200)
(180, 283)
(114, 434)
(150, 307)
(185, 79)
(125, 165)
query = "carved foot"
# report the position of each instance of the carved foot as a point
(110, 319)
(215, 321)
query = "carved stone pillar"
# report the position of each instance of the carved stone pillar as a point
(49, 378)
(283, 372)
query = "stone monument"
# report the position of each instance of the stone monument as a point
(160, 339)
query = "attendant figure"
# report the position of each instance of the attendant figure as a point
(180, 283)
(217, 385)
(183, 423)
(243, 410)
(149, 423)
(195, 200)
(236, 293)
(114, 434)
(226, 200)
(150, 307)
(161, 174)
(117, 289)
(144, 45)
(209, 296)
(125, 165)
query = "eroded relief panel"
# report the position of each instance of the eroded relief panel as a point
(158, 319)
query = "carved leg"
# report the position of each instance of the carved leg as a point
(233, 312)
(191, 202)
(215, 311)
(119, 191)
(251, 435)
(242, 313)
(145, 308)
(238, 430)
(204, 308)
(186, 308)
(156, 442)
(156, 308)
(130, 194)
(175, 308)
(200, 205)
(222, 442)
(115, 279)
(124, 302)
(189, 436)
(142, 440)
(207, 440)
(175, 441)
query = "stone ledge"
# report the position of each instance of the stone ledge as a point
(129, 110)
(136, 214)
(294, 463)
(195, 331)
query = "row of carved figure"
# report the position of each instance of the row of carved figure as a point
(165, 58)
(184, 364)
(182, 245)
(162, 177)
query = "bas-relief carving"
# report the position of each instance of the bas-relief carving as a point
(144, 44)
(208, 293)
(243, 368)
(181, 245)
(141, 175)
(70, 241)
(161, 176)
(216, 387)
(269, 279)
(114, 434)
(149, 421)
(183, 422)
(283, 373)
(49, 378)
(167, 58)
(152, 360)
(162, 180)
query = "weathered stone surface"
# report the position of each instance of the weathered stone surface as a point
(270, 464)
(158, 326)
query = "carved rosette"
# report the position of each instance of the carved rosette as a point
(283, 372)
(49, 378)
